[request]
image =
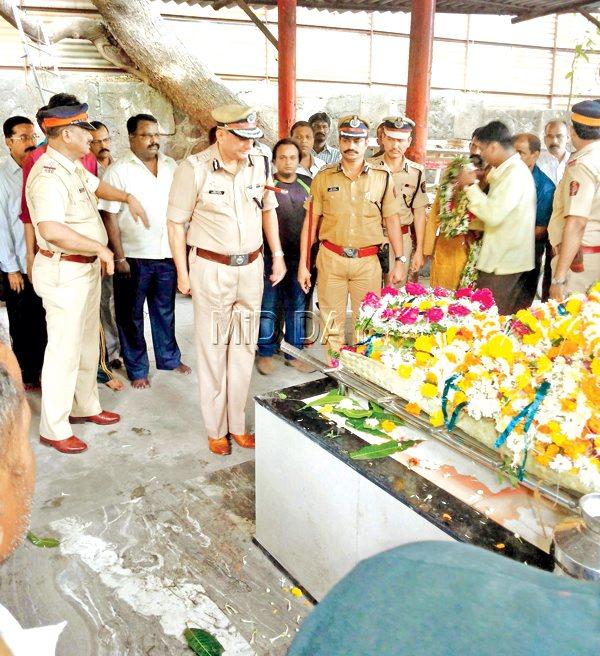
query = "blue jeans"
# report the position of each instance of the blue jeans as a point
(288, 294)
(156, 282)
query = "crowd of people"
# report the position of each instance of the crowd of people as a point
(88, 237)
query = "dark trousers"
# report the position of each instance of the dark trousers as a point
(27, 326)
(531, 278)
(156, 282)
(288, 294)
(507, 290)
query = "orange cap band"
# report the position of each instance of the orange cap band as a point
(54, 122)
(586, 120)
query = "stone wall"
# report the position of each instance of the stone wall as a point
(113, 98)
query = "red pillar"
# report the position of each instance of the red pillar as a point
(419, 74)
(286, 20)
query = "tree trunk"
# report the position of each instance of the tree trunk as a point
(164, 61)
(133, 36)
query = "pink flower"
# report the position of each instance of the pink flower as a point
(458, 310)
(440, 292)
(408, 316)
(519, 328)
(484, 297)
(371, 300)
(433, 315)
(390, 291)
(414, 289)
(465, 292)
(333, 362)
(388, 313)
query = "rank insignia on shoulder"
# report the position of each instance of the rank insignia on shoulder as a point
(218, 192)
(423, 186)
(573, 188)
(333, 188)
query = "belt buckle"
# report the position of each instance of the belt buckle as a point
(350, 252)
(239, 260)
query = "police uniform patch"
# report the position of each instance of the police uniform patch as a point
(216, 191)
(573, 188)
(333, 188)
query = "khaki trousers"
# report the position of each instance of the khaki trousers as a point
(337, 277)
(70, 292)
(227, 301)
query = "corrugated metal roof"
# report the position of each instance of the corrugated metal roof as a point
(510, 7)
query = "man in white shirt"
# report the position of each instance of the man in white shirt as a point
(506, 216)
(553, 161)
(321, 126)
(303, 135)
(26, 317)
(144, 269)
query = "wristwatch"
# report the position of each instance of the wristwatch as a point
(277, 254)
(556, 281)
(401, 258)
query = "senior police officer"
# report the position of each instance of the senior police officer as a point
(350, 201)
(225, 193)
(409, 181)
(574, 228)
(61, 197)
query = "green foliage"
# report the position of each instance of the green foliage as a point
(203, 643)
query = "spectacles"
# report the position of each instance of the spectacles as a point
(101, 141)
(153, 135)
(26, 137)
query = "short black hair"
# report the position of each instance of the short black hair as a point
(134, 121)
(535, 145)
(98, 125)
(299, 124)
(11, 123)
(212, 135)
(62, 100)
(286, 142)
(476, 132)
(495, 131)
(320, 116)
(587, 132)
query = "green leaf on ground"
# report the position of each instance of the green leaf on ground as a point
(281, 396)
(360, 425)
(42, 543)
(375, 451)
(203, 643)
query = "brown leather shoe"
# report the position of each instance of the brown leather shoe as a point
(245, 440)
(219, 445)
(70, 445)
(104, 418)
(265, 365)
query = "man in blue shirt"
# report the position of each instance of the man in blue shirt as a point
(529, 146)
(26, 317)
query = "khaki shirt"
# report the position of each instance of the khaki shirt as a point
(63, 191)
(224, 210)
(410, 187)
(352, 209)
(578, 194)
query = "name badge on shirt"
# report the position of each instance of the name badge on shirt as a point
(333, 188)
(218, 192)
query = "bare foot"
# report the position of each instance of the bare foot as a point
(183, 369)
(115, 384)
(140, 383)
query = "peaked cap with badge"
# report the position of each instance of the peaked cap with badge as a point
(240, 120)
(396, 127)
(353, 126)
(587, 113)
(66, 115)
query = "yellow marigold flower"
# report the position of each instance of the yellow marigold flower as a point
(429, 391)
(558, 438)
(425, 305)
(431, 378)
(460, 397)
(499, 346)
(596, 366)
(413, 409)
(523, 380)
(388, 426)
(423, 359)
(532, 339)
(543, 364)
(404, 371)
(526, 317)
(595, 462)
(574, 449)
(451, 334)
(436, 418)
(425, 343)
(573, 306)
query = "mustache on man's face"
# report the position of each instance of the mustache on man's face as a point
(29, 149)
(350, 151)
(104, 150)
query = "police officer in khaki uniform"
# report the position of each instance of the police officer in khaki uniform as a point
(574, 228)
(409, 181)
(345, 211)
(225, 193)
(61, 197)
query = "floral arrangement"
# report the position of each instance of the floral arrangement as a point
(532, 379)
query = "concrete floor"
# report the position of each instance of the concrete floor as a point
(156, 532)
